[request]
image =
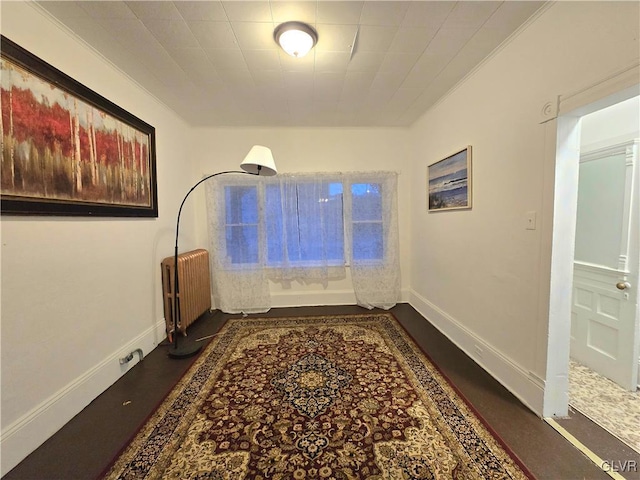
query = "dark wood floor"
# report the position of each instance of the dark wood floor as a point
(83, 447)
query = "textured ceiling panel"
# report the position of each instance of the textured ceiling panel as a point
(376, 63)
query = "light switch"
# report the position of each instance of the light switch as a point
(531, 221)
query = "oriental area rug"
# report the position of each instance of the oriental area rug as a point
(323, 397)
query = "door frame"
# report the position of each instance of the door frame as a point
(561, 119)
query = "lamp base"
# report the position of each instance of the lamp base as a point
(183, 351)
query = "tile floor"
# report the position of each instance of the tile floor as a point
(605, 403)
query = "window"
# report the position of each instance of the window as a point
(367, 221)
(241, 223)
(303, 221)
(303, 227)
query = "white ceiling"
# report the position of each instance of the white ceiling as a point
(215, 62)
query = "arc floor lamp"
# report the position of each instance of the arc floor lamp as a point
(259, 161)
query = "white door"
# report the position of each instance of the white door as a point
(604, 326)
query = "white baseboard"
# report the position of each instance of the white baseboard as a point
(320, 297)
(525, 385)
(32, 429)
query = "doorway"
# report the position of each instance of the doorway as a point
(603, 330)
(562, 155)
(604, 340)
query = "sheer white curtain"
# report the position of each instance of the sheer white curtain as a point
(302, 227)
(305, 234)
(238, 276)
(371, 217)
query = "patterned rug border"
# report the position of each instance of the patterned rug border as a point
(154, 410)
(468, 403)
(196, 362)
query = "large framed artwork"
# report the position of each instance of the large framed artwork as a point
(449, 182)
(66, 150)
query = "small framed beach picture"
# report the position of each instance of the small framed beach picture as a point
(449, 182)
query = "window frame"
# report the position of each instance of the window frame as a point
(346, 218)
(365, 179)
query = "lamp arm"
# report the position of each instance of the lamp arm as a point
(192, 189)
(175, 253)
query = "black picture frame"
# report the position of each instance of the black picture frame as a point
(449, 182)
(67, 150)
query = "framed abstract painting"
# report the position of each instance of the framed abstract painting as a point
(66, 150)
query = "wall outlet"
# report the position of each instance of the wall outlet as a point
(126, 359)
(530, 220)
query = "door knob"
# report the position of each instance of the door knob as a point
(623, 285)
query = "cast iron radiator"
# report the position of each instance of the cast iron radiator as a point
(194, 297)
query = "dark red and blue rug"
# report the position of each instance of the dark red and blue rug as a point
(324, 397)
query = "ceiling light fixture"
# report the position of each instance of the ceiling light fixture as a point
(295, 38)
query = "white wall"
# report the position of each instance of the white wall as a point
(615, 124)
(600, 218)
(479, 274)
(311, 150)
(79, 293)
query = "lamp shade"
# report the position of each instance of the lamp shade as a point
(259, 161)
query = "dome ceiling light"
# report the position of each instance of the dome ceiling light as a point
(295, 38)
